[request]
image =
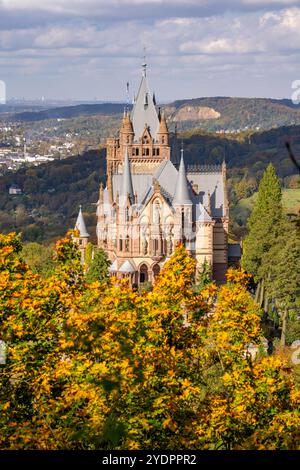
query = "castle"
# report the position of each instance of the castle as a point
(150, 203)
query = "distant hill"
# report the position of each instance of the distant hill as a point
(67, 112)
(224, 113)
(211, 114)
(53, 191)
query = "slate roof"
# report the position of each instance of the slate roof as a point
(80, 225)
(181, 195)
(144, 111)
(127, 187)
(166, 174)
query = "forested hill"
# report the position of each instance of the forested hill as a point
(225, 113)
(212, 114)
(68, 112)
(53, 191)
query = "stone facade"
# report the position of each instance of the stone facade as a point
(149, 204)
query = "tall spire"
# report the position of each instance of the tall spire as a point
(144, 111)
(181, 196)
(127, 187)
(80, 225)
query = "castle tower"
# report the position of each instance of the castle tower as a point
(83, 238)
(143, 132)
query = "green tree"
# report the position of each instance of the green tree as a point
(98, 270)
(264, 224)
(283, 281)
(39, 257)
(203, 277)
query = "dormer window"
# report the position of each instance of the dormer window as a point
(146, 99)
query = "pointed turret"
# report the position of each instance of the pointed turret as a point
(82, 239)
(181, 196)
(127, 124)
(163, 128)
(127, 187)
(126, 131)
(163, 132)
(80, 225)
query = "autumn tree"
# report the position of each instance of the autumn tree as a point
(103, 366)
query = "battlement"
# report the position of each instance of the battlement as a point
(204, 169)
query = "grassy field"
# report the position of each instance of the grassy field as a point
(290, 199)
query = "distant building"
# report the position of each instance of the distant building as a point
(234, 254)
(150, 202)
(14, 190)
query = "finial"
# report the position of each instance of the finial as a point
(127, 97)
(144, 64)
(80, 206)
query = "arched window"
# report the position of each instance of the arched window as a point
(120, 244)
(156, 270)
(143, 273)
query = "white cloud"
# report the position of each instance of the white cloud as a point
(185, 39)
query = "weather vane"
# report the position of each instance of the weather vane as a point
(144, 64)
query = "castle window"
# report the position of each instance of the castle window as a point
(121, 244)
(147, 152)
(143, 273)
(127, 243)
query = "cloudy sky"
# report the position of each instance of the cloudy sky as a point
(86, 49)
